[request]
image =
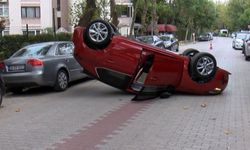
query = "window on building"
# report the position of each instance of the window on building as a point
(59, 22)
(30, 12)
(123, 11)
(4, 10)
(32, 32)
(58, 5)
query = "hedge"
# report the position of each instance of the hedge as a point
(11, 43)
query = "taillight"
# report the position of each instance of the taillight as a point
(2, 65)
(35, 62)
(248, 44)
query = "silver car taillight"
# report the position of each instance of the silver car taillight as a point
(35, 62)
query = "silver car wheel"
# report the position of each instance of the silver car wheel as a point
(98, 32)
(205, 66)
(62, 80)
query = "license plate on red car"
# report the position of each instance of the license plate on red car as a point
(16, 68)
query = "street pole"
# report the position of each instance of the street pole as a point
(54, 23)
(27, 31)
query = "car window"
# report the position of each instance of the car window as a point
(33, 50)
(147, 39)
(240, 36)
(165, 38)
(64, 49)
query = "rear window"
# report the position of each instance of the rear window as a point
(33, 50)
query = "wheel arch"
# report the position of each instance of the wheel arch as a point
(64, 68)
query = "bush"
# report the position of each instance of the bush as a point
(11, 43)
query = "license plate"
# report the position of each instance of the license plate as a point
(16, 68)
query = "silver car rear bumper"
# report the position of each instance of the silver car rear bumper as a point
(25, 79)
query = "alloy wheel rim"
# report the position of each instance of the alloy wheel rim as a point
(98, 32)
(205, 66)
(63, 80)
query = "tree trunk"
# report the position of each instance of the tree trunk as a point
(134, 17)
(154, 18)
(89, 13)
(143, 18)
(186, 36)
(114, 16)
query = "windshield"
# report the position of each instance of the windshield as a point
(147, 39)
(33, 50)
(240, 36)
(165, 38)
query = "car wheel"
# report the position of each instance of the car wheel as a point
(203, 66)
(247, 58)
(62, 81)
(16, 90)
(177, 48)
(173, 48)
(98, 34)
(190, 52)
(161, 46)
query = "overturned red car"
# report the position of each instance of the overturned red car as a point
(143, 69)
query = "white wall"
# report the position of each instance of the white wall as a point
(46, 14)
(15, 17)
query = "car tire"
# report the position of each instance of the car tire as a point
(203, 67)
(16, 90)
(62, 81)
(247, 58)
(190, 52)
(98, 34)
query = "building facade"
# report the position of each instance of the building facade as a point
(41, 16)
(34, 16)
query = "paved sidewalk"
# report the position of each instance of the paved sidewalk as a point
(95, 116)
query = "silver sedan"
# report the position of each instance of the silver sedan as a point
(43, 64)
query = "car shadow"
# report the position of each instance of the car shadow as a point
(44, 89)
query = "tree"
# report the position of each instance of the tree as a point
(245, 19)
(154, 18)
(143, 17)
(76, 11)
(114, 15)
(2, 25)
(235, 9)
(135, 5)
(90, 13)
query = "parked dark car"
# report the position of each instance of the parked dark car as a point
(170, 42)
(145, 70)
(205, 37)
(42, 64)
(2, 90)
(151, 40)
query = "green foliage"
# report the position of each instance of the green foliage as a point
(235, 9)
(76, 11)
(10, 44)
(245, 19)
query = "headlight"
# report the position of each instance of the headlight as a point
(239, 42)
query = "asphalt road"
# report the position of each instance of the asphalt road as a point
(91, 115)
